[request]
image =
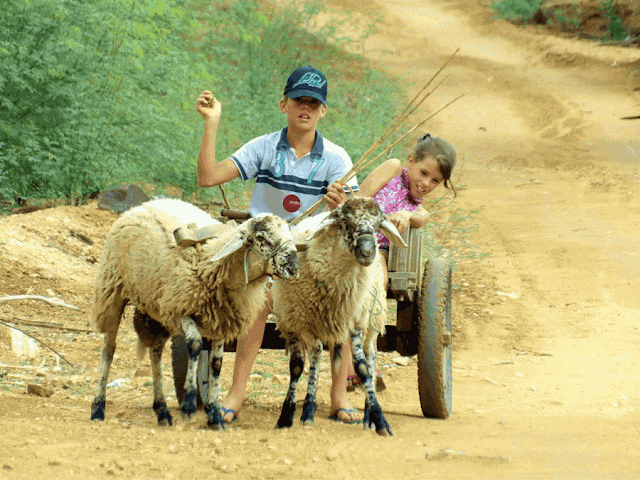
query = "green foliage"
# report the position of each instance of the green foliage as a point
(519, 10)
(98, 93)
(566, 22)
(616, 30)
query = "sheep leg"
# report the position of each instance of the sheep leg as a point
(374, 418)
(194, 347)
(159, 400)
(211, 406)
(309, 406)
(296, 367)
(111, 320)
(99, 403)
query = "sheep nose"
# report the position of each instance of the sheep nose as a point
(365, 249)
(293, 263)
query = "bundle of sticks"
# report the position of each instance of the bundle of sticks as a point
(411, 107)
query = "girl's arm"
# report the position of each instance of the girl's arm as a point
(380, 177)
(370, 186)
(211, 173)
(403, 219)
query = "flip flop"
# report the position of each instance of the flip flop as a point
(225, 411)
(335, 417)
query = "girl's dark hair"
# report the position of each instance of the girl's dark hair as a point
(440, 150)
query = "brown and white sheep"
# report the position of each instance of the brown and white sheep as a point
(213, 291)
(339, 296)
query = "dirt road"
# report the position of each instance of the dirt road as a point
(547, 324)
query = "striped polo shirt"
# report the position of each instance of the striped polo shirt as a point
(286, 185)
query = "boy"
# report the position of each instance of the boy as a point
(293, 168)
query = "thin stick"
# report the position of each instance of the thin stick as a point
(353, 172)
(390, 130)
(412, 129)
(37, 340)
(54, 326)
(53, 301)
(224, 198)
(408, 110)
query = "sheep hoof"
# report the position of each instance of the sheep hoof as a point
(97, 410)
(165, 419)
(217, 426)
(189, 405)
(284, 423)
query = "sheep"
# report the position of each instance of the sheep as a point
(339, 294)
(214, 290)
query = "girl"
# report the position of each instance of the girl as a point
(399, 191)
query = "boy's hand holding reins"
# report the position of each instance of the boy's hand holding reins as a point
(335, 195)
(208, 106)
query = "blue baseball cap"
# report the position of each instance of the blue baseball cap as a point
(307, 82)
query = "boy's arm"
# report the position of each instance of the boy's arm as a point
(211, 173)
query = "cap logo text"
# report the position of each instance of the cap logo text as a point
(311, 79)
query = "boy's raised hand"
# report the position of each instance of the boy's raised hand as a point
(208, 106)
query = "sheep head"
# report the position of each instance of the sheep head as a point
(270, 237)
(360, 219)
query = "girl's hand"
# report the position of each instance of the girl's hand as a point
(335, 195)
(208, 106)
(401, 220)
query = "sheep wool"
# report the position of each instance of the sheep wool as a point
(214, 289)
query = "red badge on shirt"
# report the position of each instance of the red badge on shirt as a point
(291, 203)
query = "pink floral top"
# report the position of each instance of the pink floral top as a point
(393, 197)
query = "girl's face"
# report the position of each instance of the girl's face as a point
(424, 176)
(303, 113)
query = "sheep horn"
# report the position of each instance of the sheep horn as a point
(391, 232)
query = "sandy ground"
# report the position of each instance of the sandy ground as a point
(546, 345)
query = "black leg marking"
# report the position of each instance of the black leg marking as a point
(374, 418)
(194, 347)
(211, 405)
(97, 409)
(99, 403)
(296, 367)
(309, 406)
(162, 412)
(159, 401)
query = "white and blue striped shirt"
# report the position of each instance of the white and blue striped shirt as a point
(286, 185)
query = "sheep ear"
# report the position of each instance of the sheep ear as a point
(391, 232)
(232, 246)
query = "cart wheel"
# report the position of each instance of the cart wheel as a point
(179, 360)
(434, 339)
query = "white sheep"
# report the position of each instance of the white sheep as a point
(214, 290)
(339, 295)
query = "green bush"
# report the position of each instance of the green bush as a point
(616, 30)
(520, 10)
(98, 93)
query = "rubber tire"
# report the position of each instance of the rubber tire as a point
(179, 360)
(434, 357)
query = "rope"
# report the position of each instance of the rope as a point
(377, 301)
(265, 258)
